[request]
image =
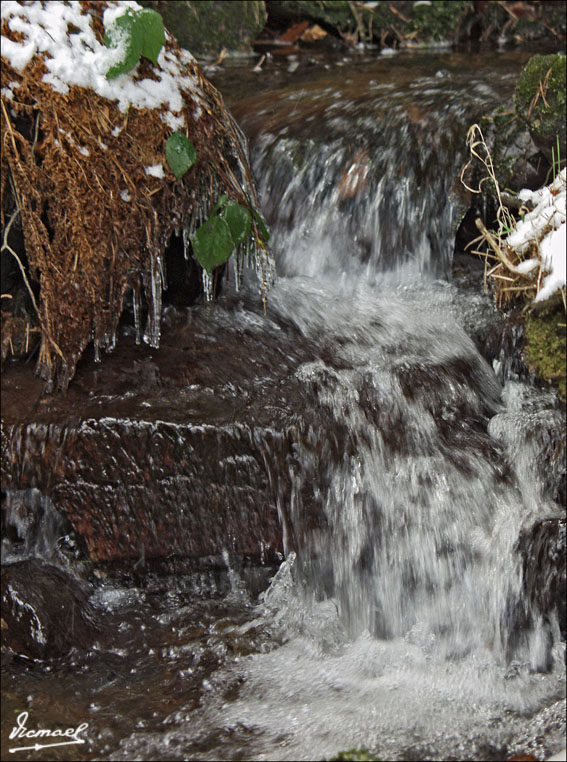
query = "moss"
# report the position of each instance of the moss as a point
(354, 755)
(540, 100)
(206, 27)
(511, 149)
(441, 20)
(544, 349)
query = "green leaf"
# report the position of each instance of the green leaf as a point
(180, 154)
(239, 222)
(221, 203)
(212, 243)
(152, 33)
(125, 34)
(261, 224)
(138, 33)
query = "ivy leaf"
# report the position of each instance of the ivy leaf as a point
(239, 222)
(221, 203)
(124, 34)
(152, 33)
(212, 243)
(180, 154)
(137, 33)
(262, 226)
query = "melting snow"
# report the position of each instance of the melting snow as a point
(155, 171)
(78, 58)
(545, 224)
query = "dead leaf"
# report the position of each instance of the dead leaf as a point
(294, 32)
(313, 33)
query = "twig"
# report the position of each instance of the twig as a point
(7, 247)
(495, 247)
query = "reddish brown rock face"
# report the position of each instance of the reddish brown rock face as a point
(162, 455)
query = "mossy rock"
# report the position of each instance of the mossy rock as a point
(539, 21)
(205, 27)
(517, 162)
(439, 20)
(545, 346)
(540, 101)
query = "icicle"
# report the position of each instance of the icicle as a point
(239, 266)
(109, 340)
(137, 312)
(207, 286)
(162, 273)
(187, 233)
(153, 324)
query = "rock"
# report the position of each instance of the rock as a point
(543, 553)
(545, 569)
(540, 102)
(205, 28)
(45, 612)
(192, 463)
(517, 161)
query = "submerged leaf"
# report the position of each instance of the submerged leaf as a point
(239, 221)
(212, 243)
(180, 154)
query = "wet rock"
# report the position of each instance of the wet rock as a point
(32, 527)
(544, 551)
(190, 464)
(543, 603)
(45, 612)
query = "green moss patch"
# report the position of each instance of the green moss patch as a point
(540, 100)
(439, 20)
(354, 755)
(545, 345)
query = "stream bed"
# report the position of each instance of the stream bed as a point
(388, 609)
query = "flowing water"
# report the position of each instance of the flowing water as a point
(393, 623)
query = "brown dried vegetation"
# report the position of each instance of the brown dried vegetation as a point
(85, 245)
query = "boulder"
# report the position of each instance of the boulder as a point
(45, 611)
(541, 102)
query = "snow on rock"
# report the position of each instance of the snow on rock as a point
(544, 225)
(63, 35)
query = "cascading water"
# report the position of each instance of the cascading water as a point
(394, 622)
(421, 526)
(399, 601)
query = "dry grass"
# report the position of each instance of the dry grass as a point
(501, 273)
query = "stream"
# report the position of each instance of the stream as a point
(398, 620)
